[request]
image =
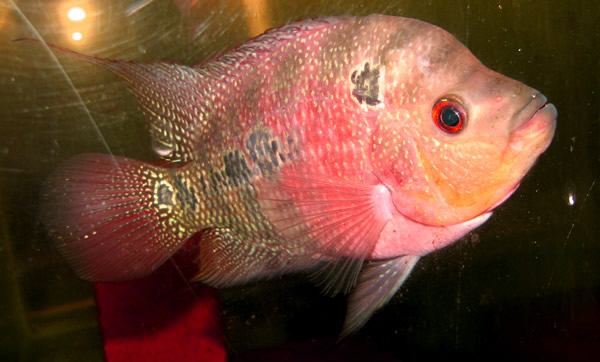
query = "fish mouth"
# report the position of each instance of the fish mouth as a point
(534, 124)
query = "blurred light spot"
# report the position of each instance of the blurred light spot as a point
(77, 36)
(571, 199)
(76, 14)
(257, 16)
(137, 6)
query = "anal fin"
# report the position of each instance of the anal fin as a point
(228, 258)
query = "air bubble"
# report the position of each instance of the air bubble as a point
(571, 199)
(570, 193)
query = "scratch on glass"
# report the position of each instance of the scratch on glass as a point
(64, 73)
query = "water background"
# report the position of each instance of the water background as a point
(525, 286)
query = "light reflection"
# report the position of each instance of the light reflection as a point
(257, 16)
(135, 7)
(571, 199)
(76, 14)
(76, 20)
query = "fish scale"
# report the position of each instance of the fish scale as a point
(345, 147)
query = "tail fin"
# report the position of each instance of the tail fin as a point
(112, 218)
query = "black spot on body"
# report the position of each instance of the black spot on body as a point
(252, 139)
(231, 170)
(236, 170)
(274, 160)
(366, 85)
(264, 151)
(193, 196)
(165, 195)
(215, 177)
(186, 195)
(203, 182)
(251, 146)
(245, 169)
(253, 155)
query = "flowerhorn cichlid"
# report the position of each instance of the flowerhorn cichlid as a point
(346, 147)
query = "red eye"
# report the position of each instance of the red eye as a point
(449, 114)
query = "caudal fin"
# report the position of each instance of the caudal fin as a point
(112, 218)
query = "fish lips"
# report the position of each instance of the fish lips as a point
(534, 125)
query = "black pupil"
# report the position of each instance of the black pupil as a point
(450, 117)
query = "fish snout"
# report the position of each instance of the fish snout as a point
(532, 128)
(534, 122)
(533, 101)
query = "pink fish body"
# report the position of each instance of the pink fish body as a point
(349, 147)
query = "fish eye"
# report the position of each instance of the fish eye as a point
(449, 114)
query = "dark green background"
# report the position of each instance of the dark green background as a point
(525, 286)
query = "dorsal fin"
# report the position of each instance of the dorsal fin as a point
(171, 96)
(251, 52)
(177, 100)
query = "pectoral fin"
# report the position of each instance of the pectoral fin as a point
(377, 283)
(331, 221)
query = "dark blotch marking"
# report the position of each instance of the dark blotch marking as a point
(165, 195)
(251, 146)
(216, 181)
(292, 150)
(203, 182)
(366, 85)
(236, 170)
(186, 195)
(265, 152)
(273, 153)
(218, 177)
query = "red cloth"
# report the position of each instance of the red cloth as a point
(160, 318)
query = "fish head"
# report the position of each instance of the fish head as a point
(454, 138)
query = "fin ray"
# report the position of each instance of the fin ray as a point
(228, 258)
(170, 96)
(377, 283)
(100, 210)
(333, 221)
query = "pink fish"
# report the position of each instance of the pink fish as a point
(347, 147)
